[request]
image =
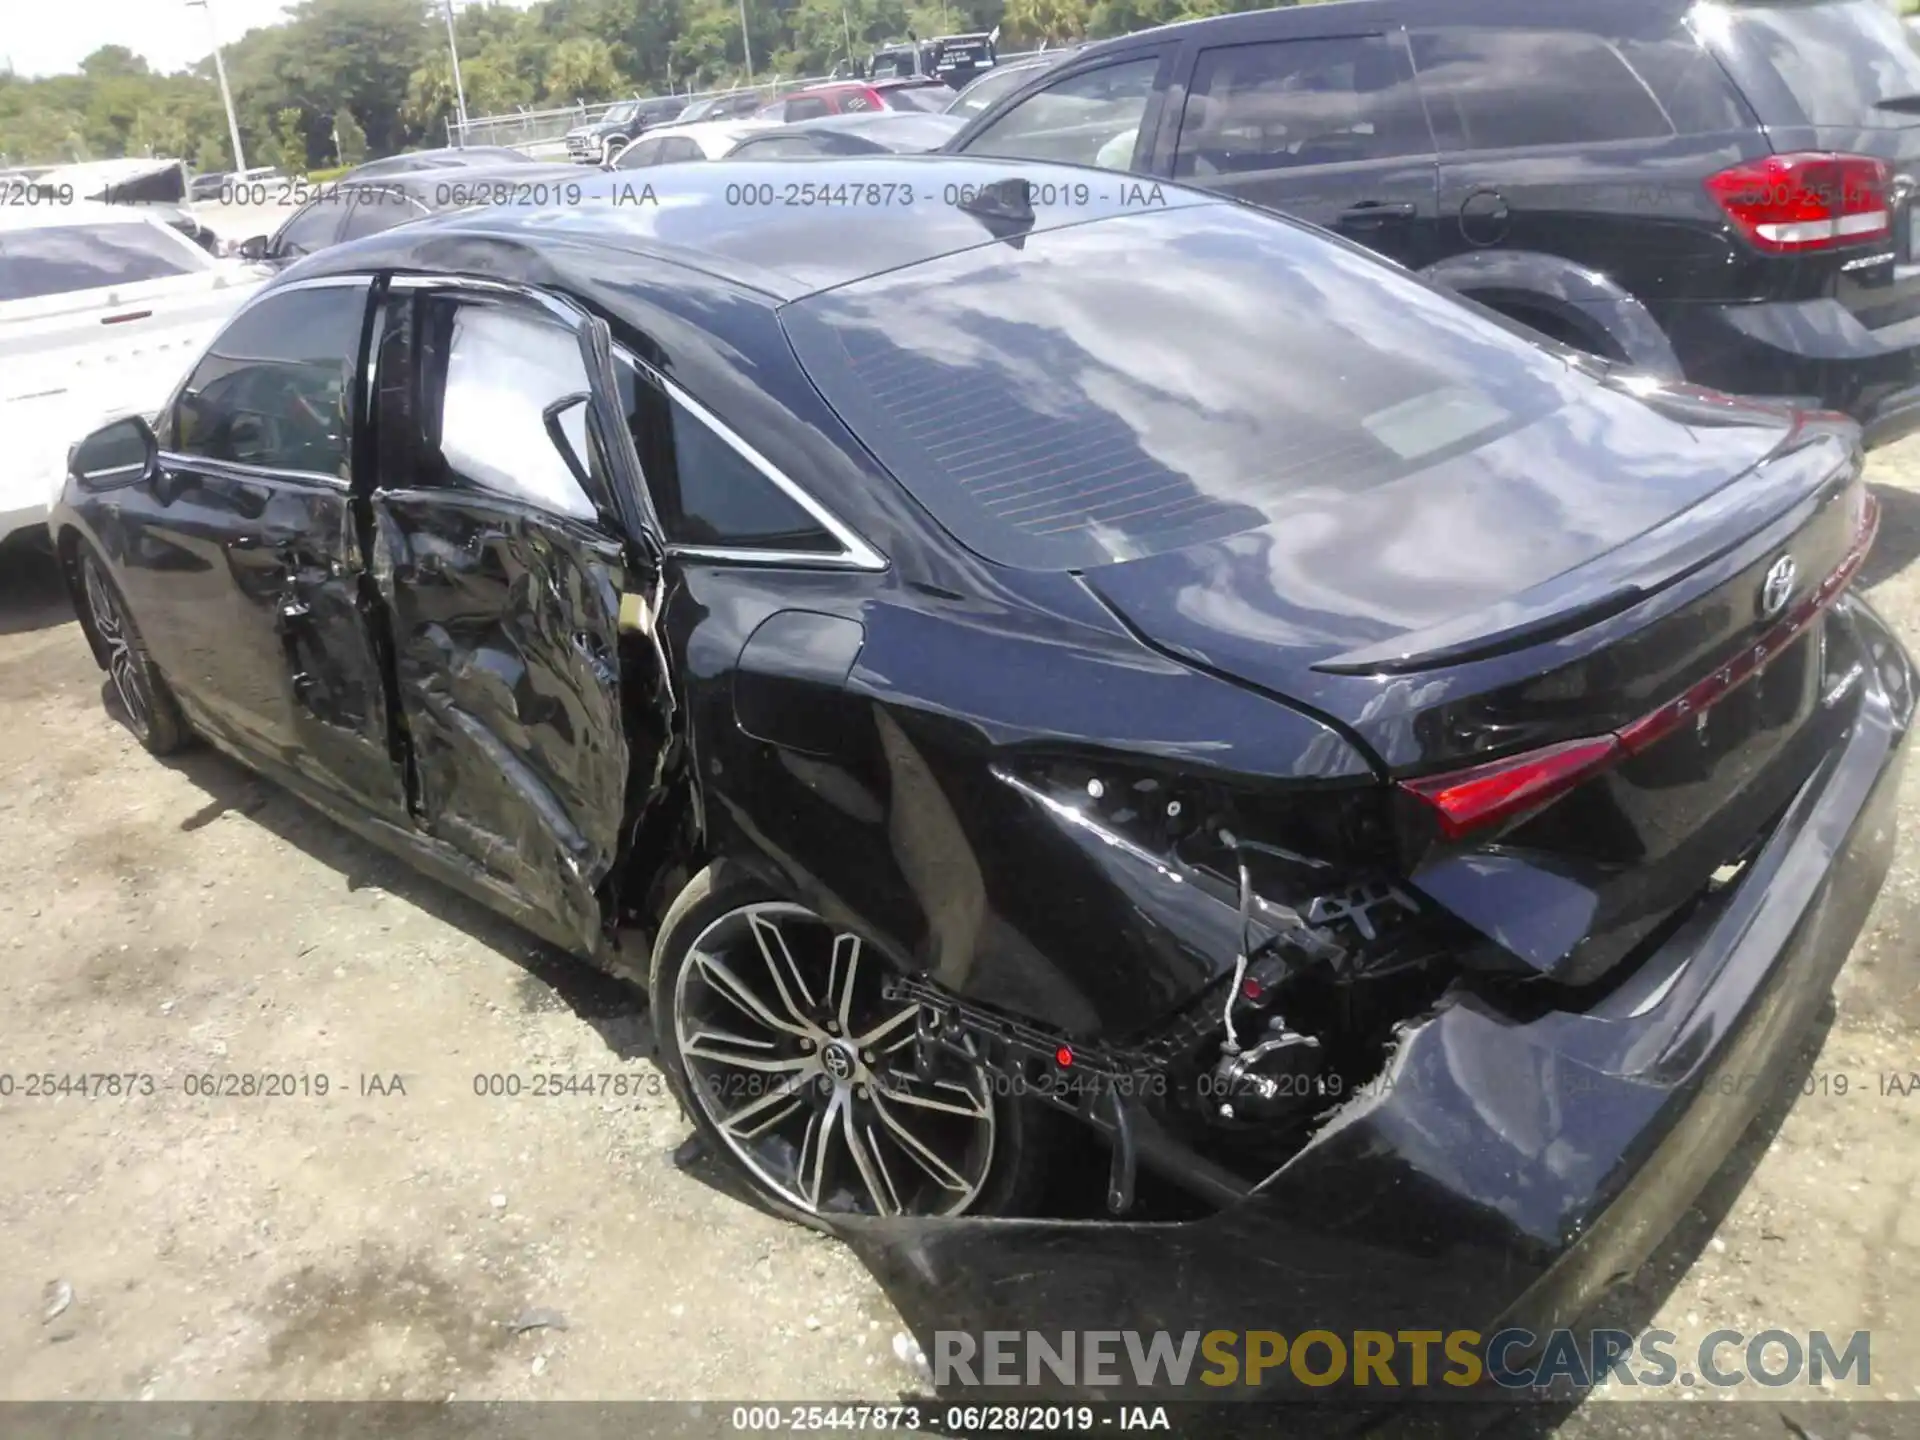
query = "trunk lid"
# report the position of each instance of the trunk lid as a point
(1577, 580)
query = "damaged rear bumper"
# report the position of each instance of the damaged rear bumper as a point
(1504, 1170)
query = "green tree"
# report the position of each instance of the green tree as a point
(429, 96)
(581, 68)
(1054, 21)
(211, 153)
(290, 139)
(112, 60)
(349, 140)
(494, 83)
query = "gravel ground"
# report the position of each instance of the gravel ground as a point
(179, 920)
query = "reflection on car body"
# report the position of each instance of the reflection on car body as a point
(1005, 710)
(1715, 191)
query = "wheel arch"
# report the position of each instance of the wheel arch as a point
(1589, 308)
(67, 541)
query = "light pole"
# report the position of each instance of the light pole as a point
(220, 69)
(746, 45)
(459, 89)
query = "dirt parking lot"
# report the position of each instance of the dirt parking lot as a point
(186, 922)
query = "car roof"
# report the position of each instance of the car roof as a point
(932, 126)
(106, 172)
(425, 185)
(445, 157)
(854, 120)
(703, 130)
(688, 216)
(80, 212)
(1334, 18)
(828, 87)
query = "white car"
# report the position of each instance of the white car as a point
(701, 140)
(102, 308)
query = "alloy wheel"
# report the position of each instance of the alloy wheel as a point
(123, 662)
(809, 1076)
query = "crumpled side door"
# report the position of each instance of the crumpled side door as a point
(505, 554)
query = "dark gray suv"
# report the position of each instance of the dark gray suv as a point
(1716, 191)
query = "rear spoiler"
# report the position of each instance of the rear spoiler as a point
(1817, 454)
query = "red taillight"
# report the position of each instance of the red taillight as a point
(1469, 800)
(1464, 801)
(1787, 204)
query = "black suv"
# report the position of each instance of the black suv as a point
(1718, 190)
(598, 141)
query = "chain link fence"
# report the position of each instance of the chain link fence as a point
(545, 130)
(528, 128)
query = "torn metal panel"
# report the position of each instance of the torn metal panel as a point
(506, 644)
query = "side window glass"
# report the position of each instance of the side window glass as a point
(1092, 118)
(501, 370)
(312, 229)
(275, 390)
(1299, 102)
(639, 155)
(807, 107)
(678, 148)
(988, 91)
(1503, 89)
(377, 209)
(779, 147)
(1695, 92)
(706, 492)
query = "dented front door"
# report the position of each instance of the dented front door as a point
(242, 554)
(504, 569)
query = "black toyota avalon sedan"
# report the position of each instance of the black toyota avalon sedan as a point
(1153, 764)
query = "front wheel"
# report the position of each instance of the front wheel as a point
(773, 1029)
(151, 712)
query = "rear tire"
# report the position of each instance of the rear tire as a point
(773, 1034)
(146, 703)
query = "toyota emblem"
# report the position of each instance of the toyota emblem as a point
(1777, 589)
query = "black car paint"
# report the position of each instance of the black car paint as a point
(452, 157)
(1504, 1168)
(870, 740)
(1616, 247)
(406, 195)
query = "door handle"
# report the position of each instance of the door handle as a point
(170, 484)
(1378, 212)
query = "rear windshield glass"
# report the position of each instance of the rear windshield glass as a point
(1843, 60)
(63, 258)
(1114, 389)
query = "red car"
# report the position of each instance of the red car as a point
(847, 96)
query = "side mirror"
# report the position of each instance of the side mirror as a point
(254, 247)
(120, 453)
